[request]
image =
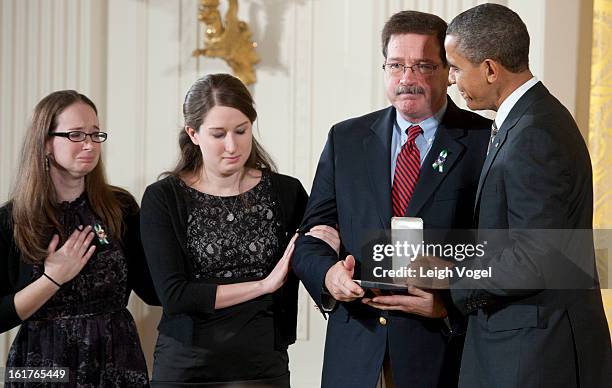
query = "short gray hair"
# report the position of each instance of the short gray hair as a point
(492, 31)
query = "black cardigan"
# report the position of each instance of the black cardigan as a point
(15, 274)
(163, 221)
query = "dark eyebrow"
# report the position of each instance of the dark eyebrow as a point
(394, 59)
(418, 60)
(82, 129)
(243, 123)
(223, 128)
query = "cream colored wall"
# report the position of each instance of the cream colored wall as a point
(320, 64)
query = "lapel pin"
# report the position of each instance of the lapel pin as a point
(439, 163)
(101, 233)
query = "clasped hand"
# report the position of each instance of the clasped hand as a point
(420, 301)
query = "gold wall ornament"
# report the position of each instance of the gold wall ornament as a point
(600, 135)
(229, 39)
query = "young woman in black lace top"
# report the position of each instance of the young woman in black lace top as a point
(70, 254)
(217, 233)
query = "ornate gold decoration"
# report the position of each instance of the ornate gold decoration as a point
(229, 39)
(600, 133)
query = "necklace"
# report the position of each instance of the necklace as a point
(230, 213)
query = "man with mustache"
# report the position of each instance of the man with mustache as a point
(420, 157)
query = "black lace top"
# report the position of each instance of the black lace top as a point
(187, 282)
(230, 240)
(233, 238)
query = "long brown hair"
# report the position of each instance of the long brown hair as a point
(34, 200)
(206, 93)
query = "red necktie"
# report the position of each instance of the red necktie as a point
(407, 169)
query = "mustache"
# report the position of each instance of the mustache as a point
(405, 89)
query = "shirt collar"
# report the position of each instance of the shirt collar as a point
(507, 105)
(429, 125)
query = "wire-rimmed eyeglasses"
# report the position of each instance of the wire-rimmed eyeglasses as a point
(396, 69)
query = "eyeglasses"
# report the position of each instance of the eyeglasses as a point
(399, 69)
(79, 136)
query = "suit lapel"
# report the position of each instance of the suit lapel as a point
(430, 178)
(377, 151)
(514, 116)
(498, 142)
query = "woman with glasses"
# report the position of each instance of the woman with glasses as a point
(70, 254)
(217, 233)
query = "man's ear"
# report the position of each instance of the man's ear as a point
(491, 69)
(192, 134)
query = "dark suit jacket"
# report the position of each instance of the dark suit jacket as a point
(352, 188)
(522, 333)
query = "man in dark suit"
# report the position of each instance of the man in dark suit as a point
(384, 164)
(524, 329)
